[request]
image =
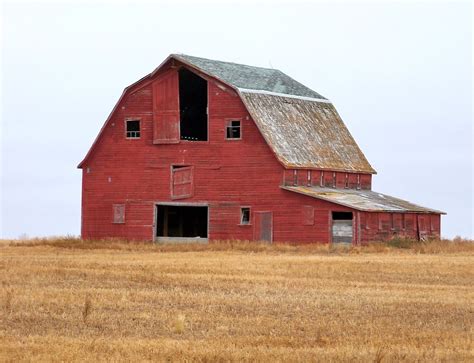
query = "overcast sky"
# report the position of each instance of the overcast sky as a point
(400, 75)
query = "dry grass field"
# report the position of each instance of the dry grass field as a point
(69, 300)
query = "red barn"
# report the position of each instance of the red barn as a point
(204, 150)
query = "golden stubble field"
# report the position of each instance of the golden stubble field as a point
(69, 300)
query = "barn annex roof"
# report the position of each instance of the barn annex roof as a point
(363, 200)
(302, 127)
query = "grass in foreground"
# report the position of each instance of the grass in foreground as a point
(68, 299)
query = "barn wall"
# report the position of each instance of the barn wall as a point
(383, 226)
(228, 174)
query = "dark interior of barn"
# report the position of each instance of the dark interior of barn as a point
(341, 216)
(181, 221)
(193, 106)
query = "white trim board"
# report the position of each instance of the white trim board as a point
(246, 90)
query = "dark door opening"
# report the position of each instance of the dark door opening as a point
(192, 106)
(342, 230)
(181, 221)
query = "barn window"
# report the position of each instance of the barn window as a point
(132, 129)
(233, 130)
(118, 213)
(192, 106)
(181, 181)
(245, 215)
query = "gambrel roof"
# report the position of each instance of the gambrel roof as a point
(302, 128)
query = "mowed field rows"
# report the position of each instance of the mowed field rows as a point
(127, 302)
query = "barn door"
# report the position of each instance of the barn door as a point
(166, 109)
(263, 226)
(342, 227)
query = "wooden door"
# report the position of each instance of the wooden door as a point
(342, 231)
(263, 230)
(181, 182)
(166, 109)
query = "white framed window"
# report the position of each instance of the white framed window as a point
(233, 130)
(132, 129)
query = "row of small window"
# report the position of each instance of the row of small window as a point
(233, 129)
(322, 179)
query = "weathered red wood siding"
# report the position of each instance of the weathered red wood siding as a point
(330, 179)
(227, 174)
(382, 226)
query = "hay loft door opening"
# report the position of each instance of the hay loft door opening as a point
(192, 106)
(181, 222)
(342, 227)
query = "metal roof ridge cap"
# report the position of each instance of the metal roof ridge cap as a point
(248, 90)
(226, 62)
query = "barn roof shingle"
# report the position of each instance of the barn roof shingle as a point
(250, 77)
(306, 134)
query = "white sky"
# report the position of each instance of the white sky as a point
(400, 75)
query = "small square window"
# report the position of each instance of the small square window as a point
(133, 129)
(233, 130)
(245, 215)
